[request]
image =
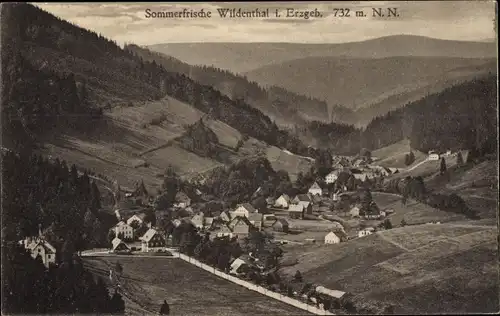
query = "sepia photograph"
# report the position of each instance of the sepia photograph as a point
(249, 158)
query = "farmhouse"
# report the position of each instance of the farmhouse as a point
(152, 240)
(240, 226)
(332, 238)
(140, 218)
(224, 231)
(296, 211)
(365, 232)
(238, 266)
(117, 246)
(334, 294)
(244, 209)
(281, 225)
(125, 229)
(354, 212)
(301, 198)
(256, 219)
(283, 201)
(182, 200)
(315, 189)
(433, 155)
(39, 247)
(198, 220)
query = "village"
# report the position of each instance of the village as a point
(336, 208)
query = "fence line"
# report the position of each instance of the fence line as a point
(254, 287)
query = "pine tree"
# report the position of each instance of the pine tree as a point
(442, 167)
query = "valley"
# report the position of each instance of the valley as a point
(239, 178)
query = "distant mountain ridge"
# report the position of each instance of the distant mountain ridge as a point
(286, 108)
(370, 87)
(244, 57)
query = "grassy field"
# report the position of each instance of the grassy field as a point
(394, 155)
(188, 290)
(136, 142)
(413, 212)
(419, 269)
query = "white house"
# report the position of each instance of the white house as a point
(433, 155)
(236, 265)
(365, 232)
(39, 247)
(283, 201)
(125, 229)
(331, 238)
(137, 217)
(354, 212)
(244, 209)
(315, 189)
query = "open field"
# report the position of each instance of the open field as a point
(393, 156)
(453, 266)
(187, 289)
(413, 212)
(137, 142)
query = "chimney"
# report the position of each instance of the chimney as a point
(40, 230)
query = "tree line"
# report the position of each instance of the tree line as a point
(459, 117)
(29, 288)
(53, 195)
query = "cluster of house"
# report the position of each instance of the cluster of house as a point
(359, 169)
(298, 206)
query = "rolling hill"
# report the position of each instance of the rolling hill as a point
(284, 107)
(447, 268)
(245, 57)
(370, 87)
(141, 107)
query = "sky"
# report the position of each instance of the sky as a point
(127, 22)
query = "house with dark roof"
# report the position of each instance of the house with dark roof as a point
(152, 240)
(224, 231)
(281, 225)
(301, 198)
(296, 211)
(241, 226)
(118, 246)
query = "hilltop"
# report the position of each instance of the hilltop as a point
(245, 57)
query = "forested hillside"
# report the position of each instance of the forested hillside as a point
(113, 76)
(462, 116)
(282, 105)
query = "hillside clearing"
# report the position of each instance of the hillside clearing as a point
(134, 143)
(455, 265)
(393, 156)
(187, 289)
